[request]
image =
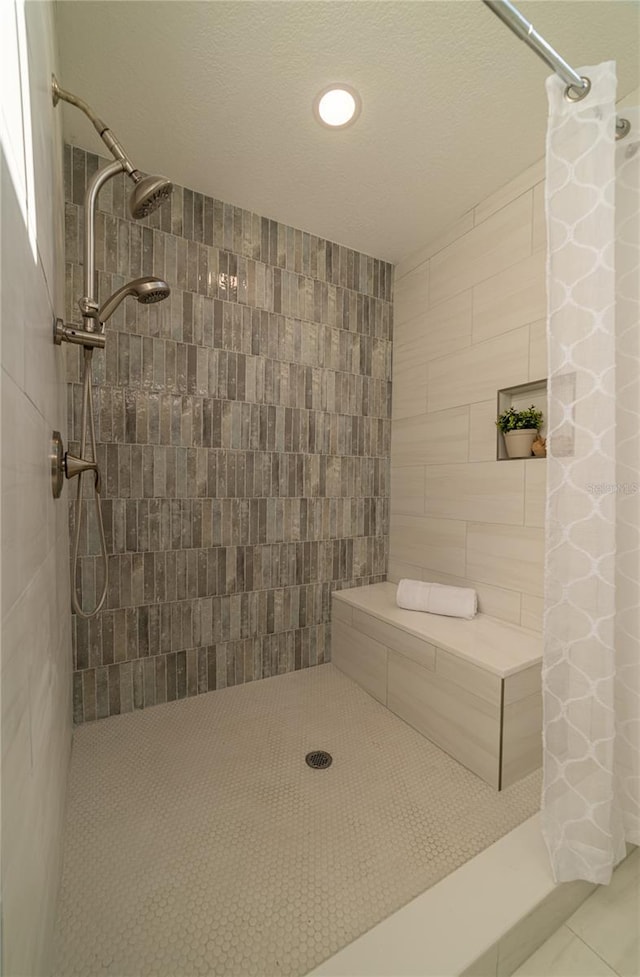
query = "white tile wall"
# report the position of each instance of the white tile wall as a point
(36, 621)
(506, 556)
(539, 228)
(468, 492)
(495, 601)
(413, 297)
(435, 438)
(476, 373)
(409, 396)
(532, 610)
(538, 350)
(482, 431)
(515, 297)
(499, 241)
(436, 544)
(520, 185)
(452, 233)
(446, 328)
(472, 320)
(407, 490)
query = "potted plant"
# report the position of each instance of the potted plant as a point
(519, 429)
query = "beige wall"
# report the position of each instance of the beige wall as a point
(470, 319)
(36, 642)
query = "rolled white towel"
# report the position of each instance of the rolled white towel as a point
(435, 598)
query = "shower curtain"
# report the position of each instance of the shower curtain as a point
(591, 663)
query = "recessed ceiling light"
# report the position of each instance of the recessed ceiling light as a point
(337, 106)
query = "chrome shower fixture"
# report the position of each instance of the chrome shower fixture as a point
(145, 290)
(149, 192)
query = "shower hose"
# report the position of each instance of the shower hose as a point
(88, 426)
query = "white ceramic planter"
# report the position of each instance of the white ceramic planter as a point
(518, 443)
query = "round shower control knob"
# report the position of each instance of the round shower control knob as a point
(56, 458)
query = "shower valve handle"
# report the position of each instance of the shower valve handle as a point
(76, 466)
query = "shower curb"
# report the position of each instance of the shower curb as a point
(483, 920)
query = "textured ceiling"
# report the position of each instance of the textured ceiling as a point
(217, 95)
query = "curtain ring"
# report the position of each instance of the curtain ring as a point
(623, 128)
(574, 94)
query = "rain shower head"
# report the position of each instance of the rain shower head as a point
(145, 290)
(148, 194)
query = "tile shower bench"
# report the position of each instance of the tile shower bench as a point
(471, 687)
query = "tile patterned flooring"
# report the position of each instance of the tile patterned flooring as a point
(602, 938)
(199, 841)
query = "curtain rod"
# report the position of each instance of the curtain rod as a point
(577, 86)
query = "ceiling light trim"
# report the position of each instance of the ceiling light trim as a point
(335, 87)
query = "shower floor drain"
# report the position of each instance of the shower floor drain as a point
(319, 759)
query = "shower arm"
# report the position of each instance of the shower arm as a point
(101, 127)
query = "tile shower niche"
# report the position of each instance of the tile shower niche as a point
(521, 397)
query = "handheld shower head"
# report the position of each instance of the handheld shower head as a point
(148, 194)
(145, 290)
(150, 290)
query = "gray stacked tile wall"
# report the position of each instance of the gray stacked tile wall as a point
(243, 430)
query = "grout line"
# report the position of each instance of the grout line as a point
(588, 946)
(501, 742)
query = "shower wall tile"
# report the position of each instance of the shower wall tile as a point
(538, 350)
(414, 295)
(446, 329)
(437, 438)
(476, 373)
(407, 490)
(410, 390)
(436, 544)
(451, 234)
(169, 676)
(514, 297)
(506, 556)
(501, 240)
(36, 620)
(482, 431)
(532, 612)
(476, 491)
(495, 601)
(521, 184)
(539, 233)
(460, 517)
(244, 433)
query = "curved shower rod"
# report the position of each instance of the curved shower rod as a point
(577, 86)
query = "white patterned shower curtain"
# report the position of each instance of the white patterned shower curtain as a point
(591, 664)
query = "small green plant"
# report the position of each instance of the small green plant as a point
(515, 420)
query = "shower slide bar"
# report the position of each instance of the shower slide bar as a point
(577, 86)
